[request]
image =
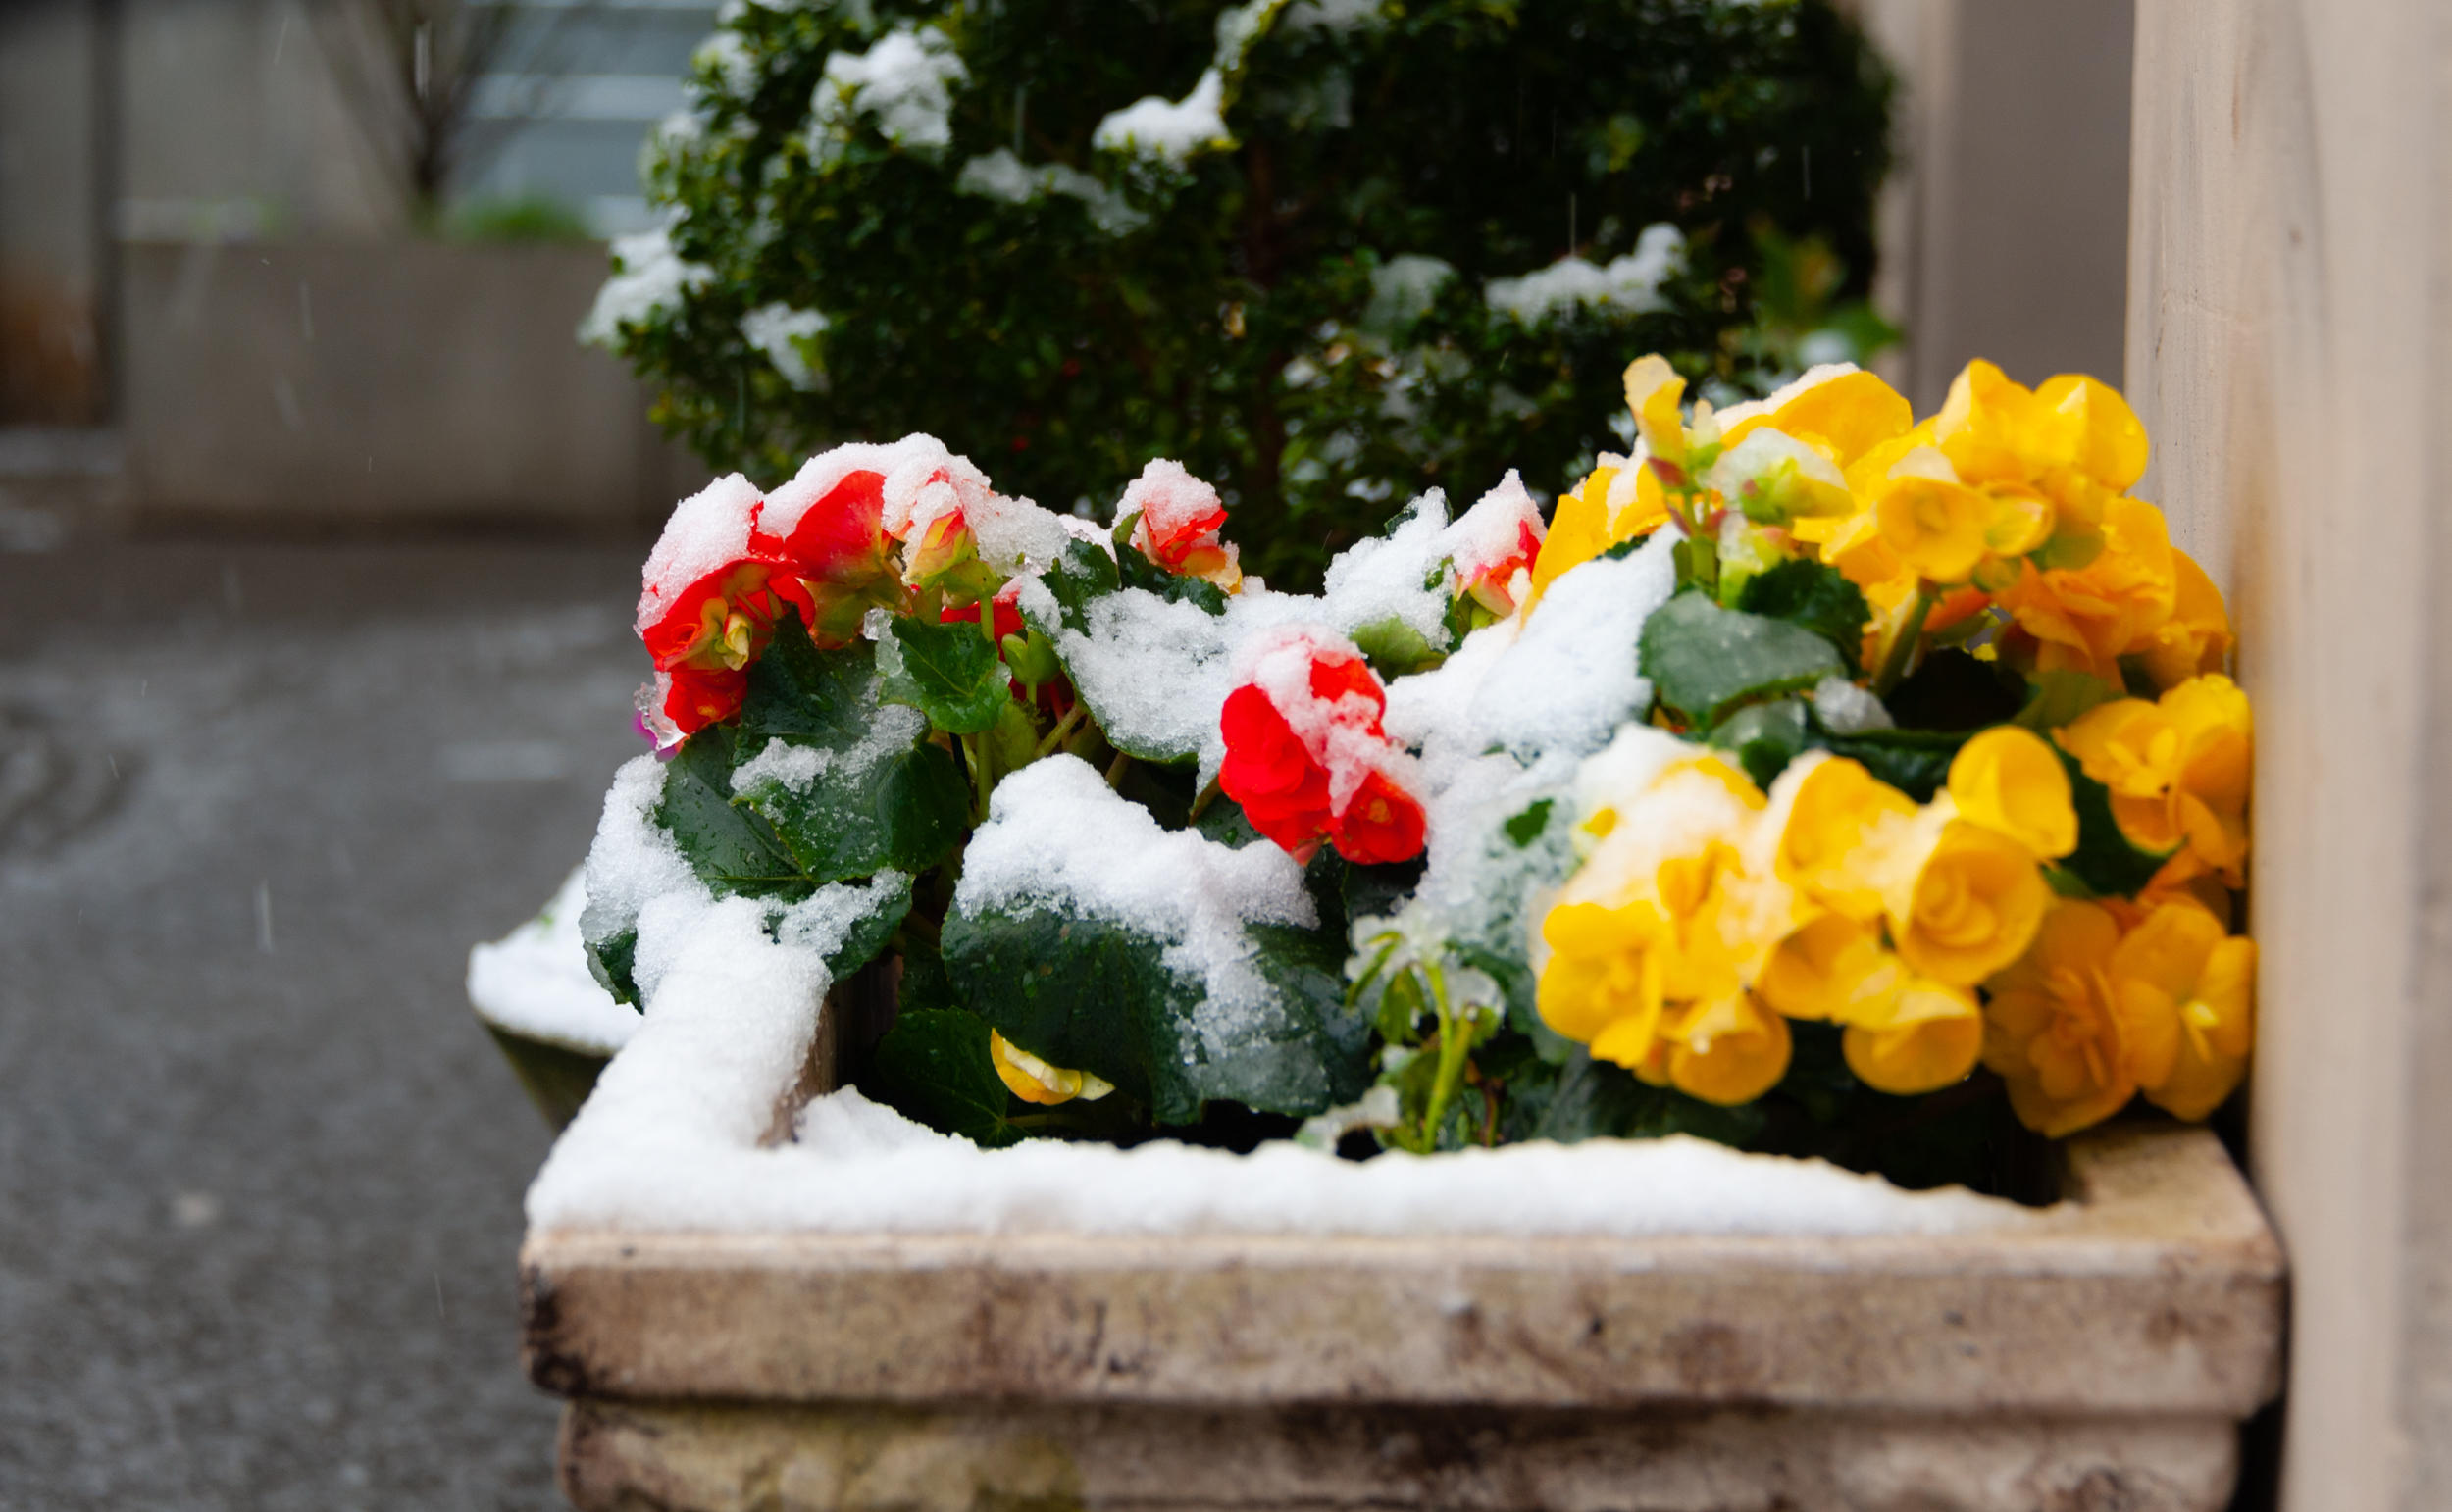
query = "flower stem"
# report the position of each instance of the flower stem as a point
(974, 751)
(1064, 727)
(1454, 1041)
(1200, 804)
(1902, 649)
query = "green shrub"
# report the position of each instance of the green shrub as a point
(891, 217)
(530, 218)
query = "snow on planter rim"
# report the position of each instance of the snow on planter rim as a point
(671, 1141)
(534, 982)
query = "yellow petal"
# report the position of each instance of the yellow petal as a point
(1034, 1081)
(1976, 904)
(1928, 1038)
(1855, 412)
(1652, 392)
(1728, 1052)
(2009, 782)
(2111, 441)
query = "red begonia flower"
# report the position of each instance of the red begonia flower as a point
(709, 601)
(1496, 539)
(828, 525)
(1267, 772)
(725, 619)
(695, 699)
(1380, 822)
(1180, 516)
(1306, 756)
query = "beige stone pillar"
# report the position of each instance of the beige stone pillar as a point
(2290, 303)
(2005, 224)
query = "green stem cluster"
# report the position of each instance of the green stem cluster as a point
(1902, 653)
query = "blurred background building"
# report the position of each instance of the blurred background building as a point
(287, 264)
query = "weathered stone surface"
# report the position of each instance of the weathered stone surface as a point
(2098, 1357)
(2156, 1289)
(867, 1458)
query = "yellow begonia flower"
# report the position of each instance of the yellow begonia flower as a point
(2072, 1048)
(1834, 813)
(2109, 440)
(1964, 905)
(1604, 983)
(2084, 619)
(1938, 531)
(2073, 443)
(1850, 412)
(2181, 964)
(2010, 781)
(2177, 769)
(1906, 1034)
(1578, 532)
(1919, 1038)
(1652, 392)
(2197, 638)
(1822, 970)
(1726, 1050)
(1033, 1080)
(1612, 505)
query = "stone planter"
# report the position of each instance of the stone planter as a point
(2099, 1356)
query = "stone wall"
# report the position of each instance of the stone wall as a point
(354, 384)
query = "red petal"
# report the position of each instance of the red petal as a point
(1381, 822)
(700, 699)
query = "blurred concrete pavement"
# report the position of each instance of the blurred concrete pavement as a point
(260, 1171)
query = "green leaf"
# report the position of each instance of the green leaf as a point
(1394, 648)
(2104, 860)
(873, 930)
(1093, 995)
(1916, 762)
(1764, 738)
(1083, 575)
(867, 807)
(797, 689)
(947, 672)
(731, 848)
(934, 1068)
(905, 807)
(1817, 597)
(1525, 827)
(2056, 699)
(1224, 822)
(611, 961)
(1704, 660)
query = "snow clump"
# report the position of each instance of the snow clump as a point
(649, 280)
(777, 330)
(1169, 130)
(1001, 175)
(1630, 284)
(906, 80)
